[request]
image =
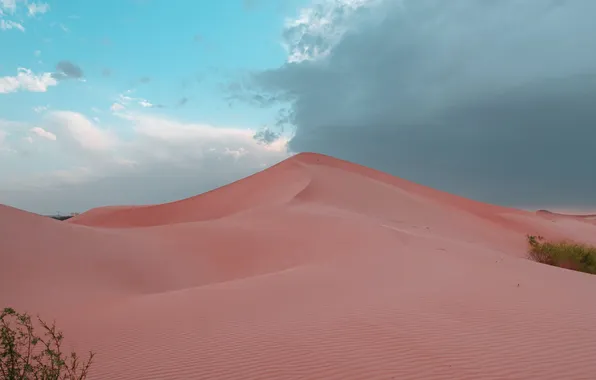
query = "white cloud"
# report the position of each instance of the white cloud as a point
(43, 133)
(116, 107)
(160, 159)
(82, 132)
(26, 80)
(8, 25)
(8, 5)
(37, 53)
(11, 7)
(162, 139)
(37, 8)
(145, 104)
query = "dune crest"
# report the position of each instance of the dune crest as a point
(315, 268)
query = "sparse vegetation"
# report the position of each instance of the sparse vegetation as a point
(27, 356)
(564, 254)
(63, 217)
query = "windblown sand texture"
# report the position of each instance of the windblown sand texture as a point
(315, 268)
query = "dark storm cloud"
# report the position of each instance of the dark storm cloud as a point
(66, 70)
(493, 100)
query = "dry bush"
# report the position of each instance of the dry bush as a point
(570, 255)
(26, 356)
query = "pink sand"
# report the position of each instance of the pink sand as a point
(315, 268)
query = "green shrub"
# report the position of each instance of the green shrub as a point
(575, 256)
(26, 356)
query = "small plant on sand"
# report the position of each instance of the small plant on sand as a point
(575, 256)
(27, 356)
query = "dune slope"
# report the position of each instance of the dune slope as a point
(315, 268)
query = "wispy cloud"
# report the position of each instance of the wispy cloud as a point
(115, 107)
(125, 100)
(319, 27)
(40, 109)
(37, 8)
(8, 25)
(61, 26)
(145, 104)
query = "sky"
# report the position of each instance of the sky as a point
(148, 101)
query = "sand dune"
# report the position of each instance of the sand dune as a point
(315, 268)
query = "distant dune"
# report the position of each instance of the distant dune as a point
(590, 218)
(315, 268)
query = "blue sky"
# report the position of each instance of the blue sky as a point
(147, 101)
(167, 52)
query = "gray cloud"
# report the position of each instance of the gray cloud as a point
(492, 100)
(266, 136)
(67, 70)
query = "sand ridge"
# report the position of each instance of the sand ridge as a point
(315, 268)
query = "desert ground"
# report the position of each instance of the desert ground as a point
(315, 268)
